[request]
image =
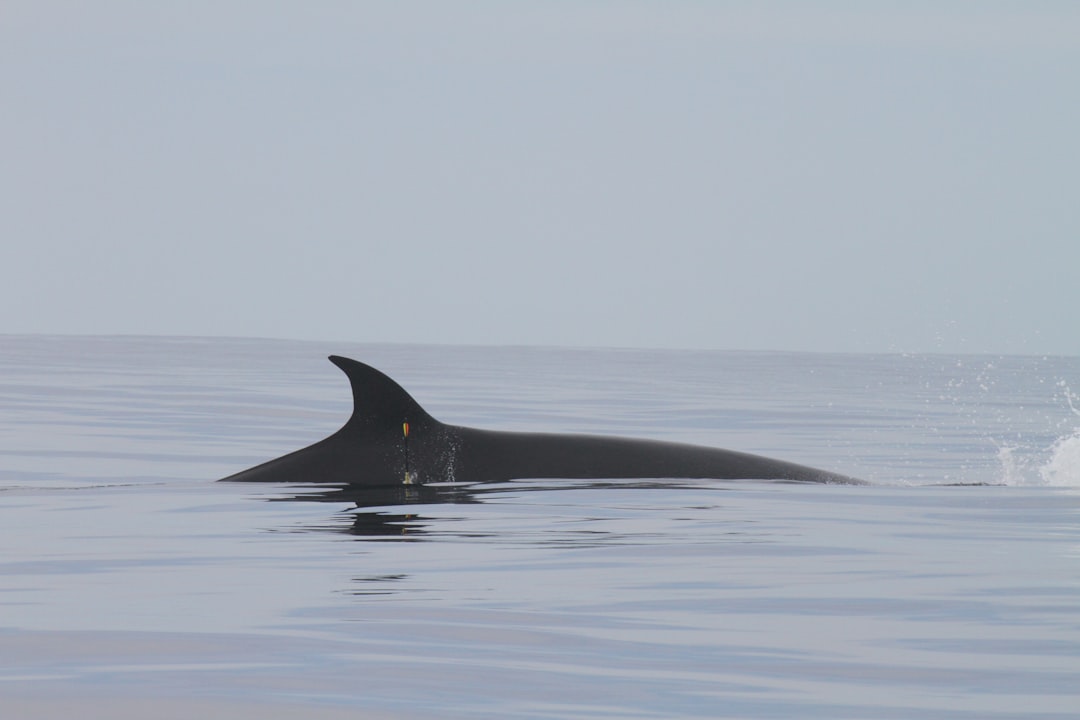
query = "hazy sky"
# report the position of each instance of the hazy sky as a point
(835, 176)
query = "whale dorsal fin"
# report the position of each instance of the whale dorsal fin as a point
(379, 403)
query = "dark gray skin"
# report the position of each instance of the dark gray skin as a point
(374, 448)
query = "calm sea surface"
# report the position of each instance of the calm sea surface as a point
(132, 585)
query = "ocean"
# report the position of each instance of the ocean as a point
(133, 585)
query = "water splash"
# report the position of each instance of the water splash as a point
(1063, 467)
(1012, 467)
(1057, 465)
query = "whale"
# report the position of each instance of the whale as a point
(391, 440)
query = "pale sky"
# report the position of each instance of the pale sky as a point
(826, 176)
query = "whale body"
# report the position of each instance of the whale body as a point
(391, 440)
